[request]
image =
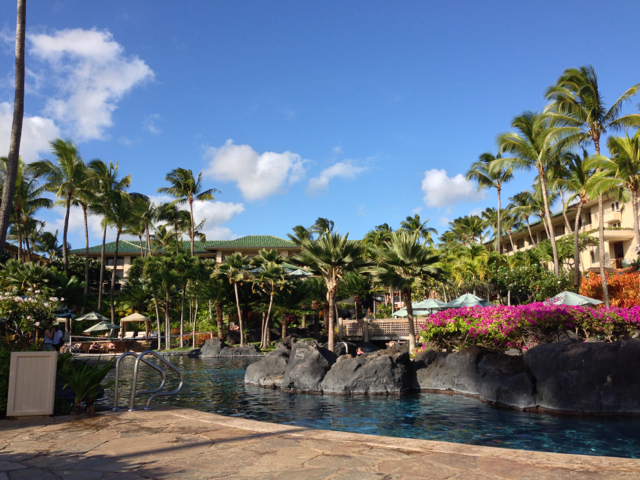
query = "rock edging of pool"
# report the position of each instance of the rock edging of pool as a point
(216, 348)
(563, 377)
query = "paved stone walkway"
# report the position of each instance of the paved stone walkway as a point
(187, 444)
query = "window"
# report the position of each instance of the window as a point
(587, 218)
(615, 207)
(615, 225)
(559, 230)
(520, 244)
(542, 236)
(593, 256)
(120, 261)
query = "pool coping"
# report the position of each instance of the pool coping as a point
(584, 463)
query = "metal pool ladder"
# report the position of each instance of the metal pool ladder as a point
(155, 392)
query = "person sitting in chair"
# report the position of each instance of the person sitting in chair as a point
(94, 348)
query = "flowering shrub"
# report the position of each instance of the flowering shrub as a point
(622, 285)
(20, 316)
(524, 326)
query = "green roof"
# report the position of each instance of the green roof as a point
(250, 241)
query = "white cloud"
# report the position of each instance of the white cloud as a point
(442, 191)
(91, 74)
(345, 170)
(150, 124)
(256, 175)
(416, 211)
(476, 211)
(215, 213)
(444, 221)
(37, 132)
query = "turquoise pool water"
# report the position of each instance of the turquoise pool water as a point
(217, 386)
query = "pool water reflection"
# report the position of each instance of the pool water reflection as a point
(217, 386)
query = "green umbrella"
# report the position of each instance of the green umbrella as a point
(571, 298)
(424, 307)
(93, 316)
(101, 327)
(467, 300)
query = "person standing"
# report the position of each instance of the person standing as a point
(48, 337)
(58, 338)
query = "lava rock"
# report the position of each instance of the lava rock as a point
(586, 377)
(308, 364)
(367, 347)
(212, 347)
(448, 371)
(215, 347)
(368, 374)
(268, 372)
(502, 379)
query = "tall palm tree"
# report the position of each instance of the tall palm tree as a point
(329, 257)
(187, 189)
(299, 233)
(234, 269)
(534, 145)
(576, 101)
(404, 261)
(170, 213)
(416, 225)
(268, 271)
(321, 226)
(490, 174)
(119, 215)
(64, 177)
(16, 126)
(106, 177)
(523, 203)
(47, 243)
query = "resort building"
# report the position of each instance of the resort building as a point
(618, 234)
(215, 249)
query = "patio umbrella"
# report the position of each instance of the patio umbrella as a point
(92, 316)
(424, 307)
(101, 327)
(571, 298)
(467, 300)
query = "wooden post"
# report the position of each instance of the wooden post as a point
(509, 297)
(340, 329)
(365, 329)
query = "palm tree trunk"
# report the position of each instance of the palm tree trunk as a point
(576, 248)
(564, 213)
(13, 157)
(533, 242)
(86, 257)
(20, 254)
(195, 320)
(191, 228)
(235, 288)
(266, 322)
(146, 230)
(113, 278)
(167, 323)
(182, 319)
(634, 208)
(155, 302)
(513, 245)
(101, 286)
(65, 252)
(391, 300)
(27, 245)
(141, 249)
(283, 325)
(219, 318)
(175, 231)
(601, 252)
(552, 238)
(412, 331)
(331, 320)
(499, 232)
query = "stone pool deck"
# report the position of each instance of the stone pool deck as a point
(172, 443)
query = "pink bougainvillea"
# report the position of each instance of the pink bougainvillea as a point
(523, 326)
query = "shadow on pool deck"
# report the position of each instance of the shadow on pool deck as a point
(188, 444)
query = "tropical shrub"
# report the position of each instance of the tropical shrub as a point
(84, 380)
(21, 316)
(531, 283)
(524, 326)
(622, 285)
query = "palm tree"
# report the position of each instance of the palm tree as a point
(576, 101)
(415, 225)
(490, 174)
(185, 188)
(404, 261)
(234, 269)
(170, 213)
(107, 180)
(47, 243)
(322, 226)
(534, 145)
(16, 126)
(523, 203)
(119, 215)
(299, 233)
(64, 177)
(490, 217)
(329, 257)
(268, 270)
(511, 221)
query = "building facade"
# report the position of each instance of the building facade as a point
(216, 249)
(619, 236)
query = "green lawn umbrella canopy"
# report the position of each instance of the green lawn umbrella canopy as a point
(94, 316)
(422, 308)
(574, 299)
(102, 327)
(467, 300)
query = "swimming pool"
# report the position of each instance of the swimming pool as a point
(217, 386)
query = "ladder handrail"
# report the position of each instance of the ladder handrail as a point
(115, 389)
(156, 392)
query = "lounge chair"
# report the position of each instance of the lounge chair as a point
(128, 334)
(142, 335)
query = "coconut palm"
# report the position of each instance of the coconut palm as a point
(523, 203)
(416, 225)
(16, 126)
(187, 189)
(576, 101)
(170, 213)
(268, 274)
(329, 257)
(404, 261)
(490, 217)
(64, 177)
(322, 226)
(490, 174)
(534, 145)
(107, 180)
(234, 269)
(47, 243)
(299, 233)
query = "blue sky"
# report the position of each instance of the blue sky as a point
(296, 110)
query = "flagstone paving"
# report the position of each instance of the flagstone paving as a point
(172, 443)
